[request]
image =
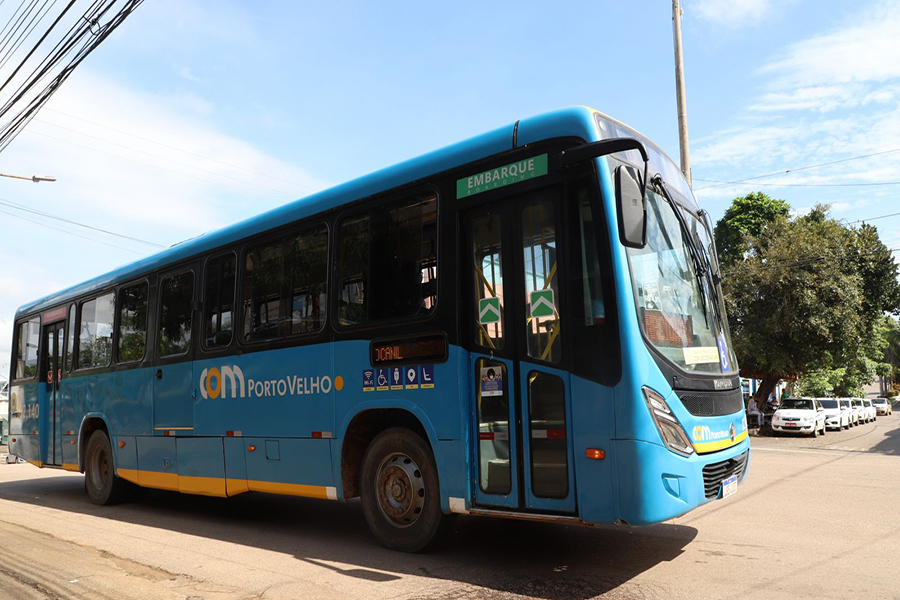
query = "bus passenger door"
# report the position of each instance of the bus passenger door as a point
(51, 408)
(173, 383)
(485, 268)
(521, 401)
(545, 391)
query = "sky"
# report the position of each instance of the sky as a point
(196, 114)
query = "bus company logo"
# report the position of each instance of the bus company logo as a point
(215, 382)
(702, 433)
(229, 382)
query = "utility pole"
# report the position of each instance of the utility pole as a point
(679, 93)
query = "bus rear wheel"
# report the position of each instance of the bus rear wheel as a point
(400, 492)
(100, 481)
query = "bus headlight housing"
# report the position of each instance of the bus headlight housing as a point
(670, 430)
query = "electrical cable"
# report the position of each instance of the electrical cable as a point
(82, 38)
(157, 156)
(773, 174)
(163, 145)
(16, 206)
(15, 216)
(766, 184)
(120, 157)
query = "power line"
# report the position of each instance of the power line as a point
(76, 44)
(157, 156)
(873, 218)
(825, 164)
(183, 174)
(765, 184)
(158, 143)
(16, 206)
(72, 233)
(804, 262)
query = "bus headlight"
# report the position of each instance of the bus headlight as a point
(670, 430)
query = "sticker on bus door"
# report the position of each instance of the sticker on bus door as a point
(491, 381)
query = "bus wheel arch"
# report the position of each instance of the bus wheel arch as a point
(360, 433)
(89, 425)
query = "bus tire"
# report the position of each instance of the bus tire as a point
(400, 492)
(100, 481)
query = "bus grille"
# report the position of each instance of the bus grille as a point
(713, 404)
(716, 473)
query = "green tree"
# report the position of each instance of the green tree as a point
(820, 382)
(747, 217)
(793, 304)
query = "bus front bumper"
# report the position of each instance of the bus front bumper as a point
(655, 484)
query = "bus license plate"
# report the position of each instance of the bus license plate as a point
(729, 486)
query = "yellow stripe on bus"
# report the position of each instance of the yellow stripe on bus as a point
(70, 467)
(702, 447)
(217, 486)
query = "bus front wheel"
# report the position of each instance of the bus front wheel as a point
(400, 494)
(100, 481)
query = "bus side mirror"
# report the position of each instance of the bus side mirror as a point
(632, 207)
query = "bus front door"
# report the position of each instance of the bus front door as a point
(51, 407)
(512, 269)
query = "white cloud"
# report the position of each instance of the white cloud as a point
(186, 73)
(865, 51)
(151, 162)
(145, 165)
(852, 75)
(844, 68)
(732, 13)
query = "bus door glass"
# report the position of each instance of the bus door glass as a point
(51, 407)
(520, 400)
(173, 383)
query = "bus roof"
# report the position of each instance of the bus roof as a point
(574, 122)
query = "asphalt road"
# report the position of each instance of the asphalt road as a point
(814, 519)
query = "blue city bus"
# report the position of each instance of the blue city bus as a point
(527, 324)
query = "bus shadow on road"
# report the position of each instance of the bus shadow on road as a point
(500, 556)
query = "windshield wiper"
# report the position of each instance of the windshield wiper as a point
(701, 265)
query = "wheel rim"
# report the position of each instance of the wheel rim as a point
(99, 466)
(400, 489)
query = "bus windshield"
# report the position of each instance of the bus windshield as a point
(677, 306)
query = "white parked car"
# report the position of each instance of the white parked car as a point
(852, 411)
(870, 409)
(882, 406)
(836, 417)
(852, 415)
(863, 413)
(802, 415)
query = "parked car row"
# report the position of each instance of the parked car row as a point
(813, 416)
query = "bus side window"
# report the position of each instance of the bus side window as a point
(306, 271)
(592, 330)
(70, 344)
(542, 324)
(387, 262)
(27, 349)
(133, 322)
(175, 314)
(285, 285)
(487, 267)
(218, 301)
(591, 310)
(263, 288)
(95, 338)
